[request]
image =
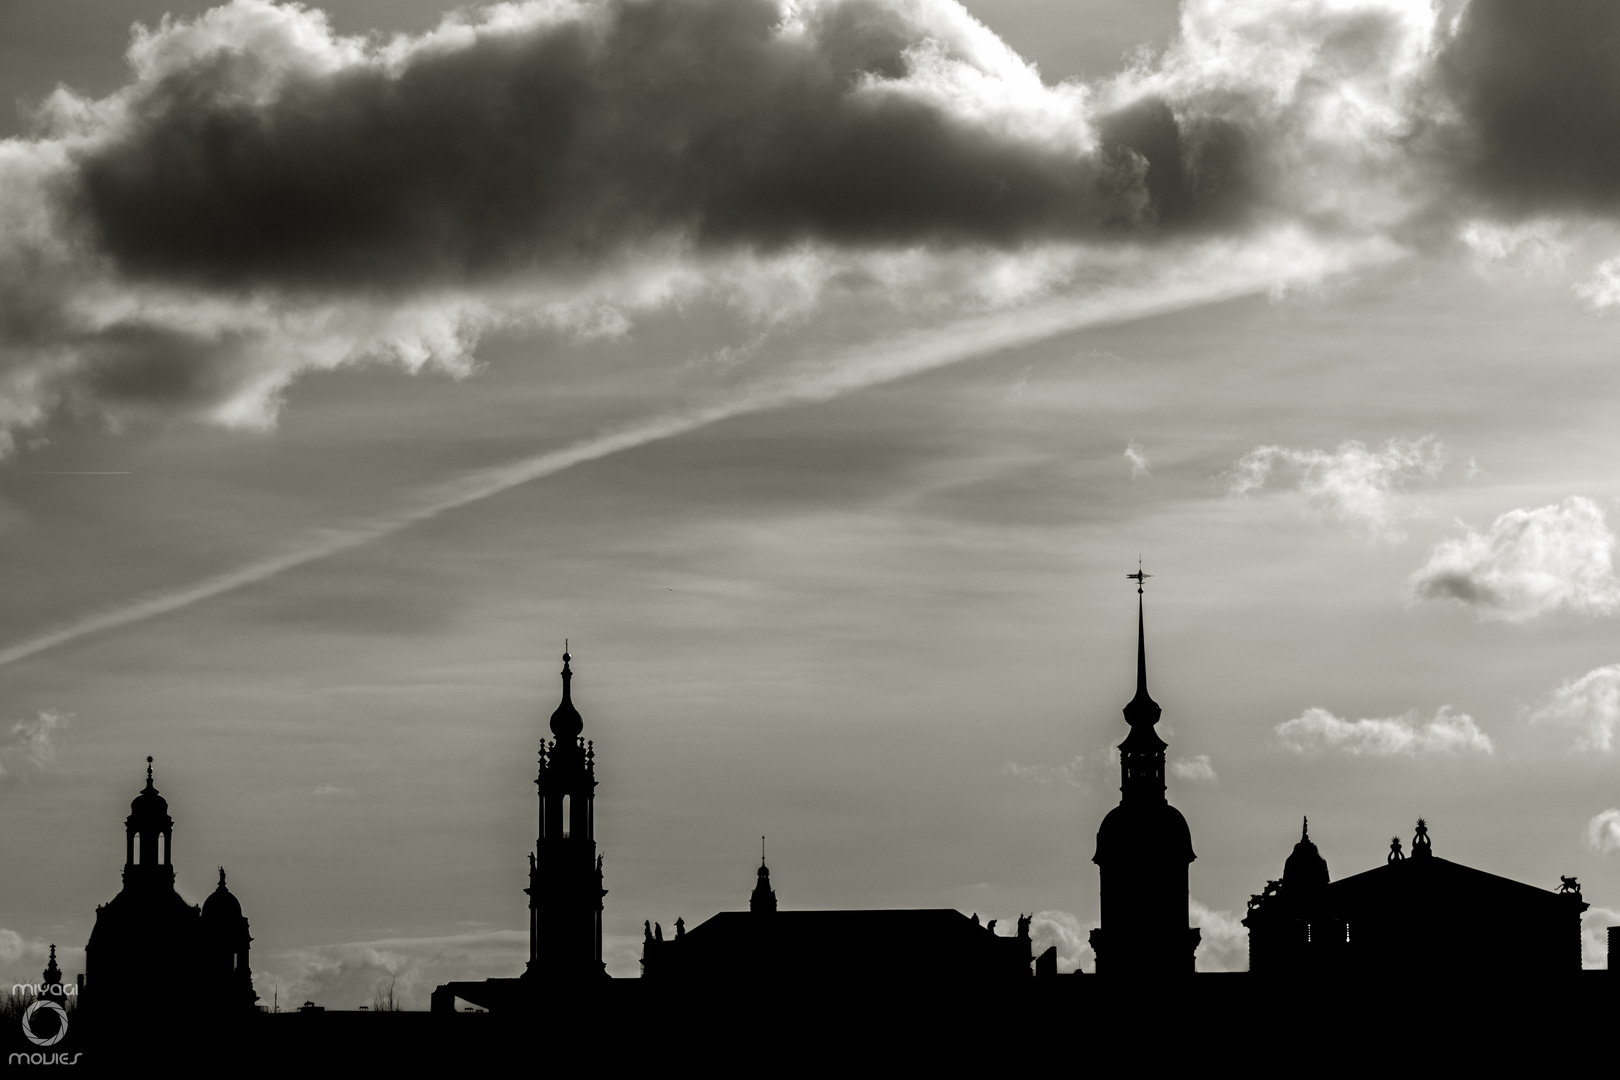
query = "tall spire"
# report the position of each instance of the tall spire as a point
(1142, 710)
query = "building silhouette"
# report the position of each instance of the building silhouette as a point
(1415, 915)
(1144, 848)
(565, 875)
(565, 872)
(147, 939)
(813, 949)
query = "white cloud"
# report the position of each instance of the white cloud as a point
(1601, 291)
(1067, 773)
(1069, 934)
(1540, 245)
(1590, 704)
(1603, 832)
(1354, 484)
(1317, 731)
(1140, 466)
(1223, 940)
(1193, 768)
(32, 743)
(1595, 923)
(1528, 563)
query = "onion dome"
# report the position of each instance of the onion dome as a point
(566, 723)
(220, 903)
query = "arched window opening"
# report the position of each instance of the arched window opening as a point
(135, 849)
(162, 849)
(566, 824)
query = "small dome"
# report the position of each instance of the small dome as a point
(149, 803)
(220, 903)
(1305, 868)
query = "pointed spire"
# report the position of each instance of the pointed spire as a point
(1305, 831)
(1142, 710)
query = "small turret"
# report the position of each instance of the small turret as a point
(763, 900)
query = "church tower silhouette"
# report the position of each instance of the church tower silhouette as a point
(565, 873)
(1143, 850)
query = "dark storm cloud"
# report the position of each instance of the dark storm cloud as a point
(266, 197)
(1537, 87)
(551, 146)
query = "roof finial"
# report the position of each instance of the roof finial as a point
(148, 768)
(222, 877)
(1305, 831)
(762, 851)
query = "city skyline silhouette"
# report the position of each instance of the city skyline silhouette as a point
(810, 374)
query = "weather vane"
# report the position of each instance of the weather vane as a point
(1138, 577)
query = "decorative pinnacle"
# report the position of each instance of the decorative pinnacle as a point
(148, 768)
(762, 851)
(222, 877)
(1305, 831)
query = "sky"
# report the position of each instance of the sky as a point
(818, 370)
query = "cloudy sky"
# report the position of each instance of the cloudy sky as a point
(818, 368)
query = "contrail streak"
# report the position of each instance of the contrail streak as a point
(1219, 276)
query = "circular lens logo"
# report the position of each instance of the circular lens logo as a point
(61, 1023)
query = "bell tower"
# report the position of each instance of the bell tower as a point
(565, 872)
(1143, 851)
(148, 837)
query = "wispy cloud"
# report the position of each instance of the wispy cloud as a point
(1603, 832)
(1590, 704)
(345, 976)
(1317, 731)
(1068, 773)
(1204, 275)
(1196, 767)
(1528, 563)
(1354, 484)
(1137, 458)
(31, 744)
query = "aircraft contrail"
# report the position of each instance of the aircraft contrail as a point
(1221, 276)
